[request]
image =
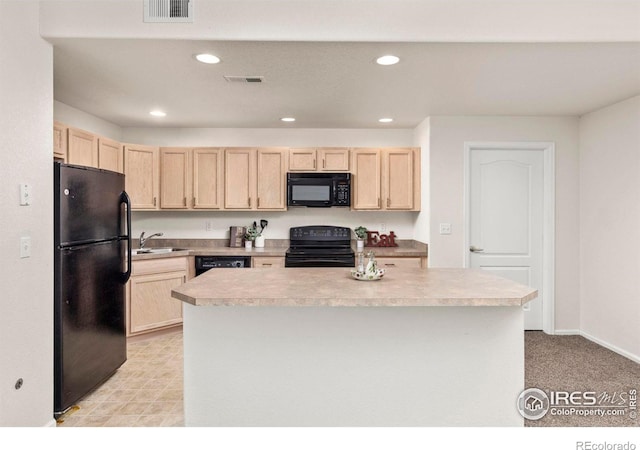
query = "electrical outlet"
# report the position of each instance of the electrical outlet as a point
(445, 228)
(207, 225)
(383, 227)
(25, 194)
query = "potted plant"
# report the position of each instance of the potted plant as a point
(361, 234)
(250, 235)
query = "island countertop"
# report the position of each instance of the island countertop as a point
(335, 287)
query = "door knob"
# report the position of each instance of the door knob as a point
(475, 249)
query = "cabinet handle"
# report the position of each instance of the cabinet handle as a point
(390, 264)
(249, 202)
(323, 163)
(154, 201)
(194, 202)
(267, 264)
(314, 163)
(388, 202)
(378, 202)
(258, 202)
(185, 201)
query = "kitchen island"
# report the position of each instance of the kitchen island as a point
(314, 347)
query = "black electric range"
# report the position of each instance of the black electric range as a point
(319, 246)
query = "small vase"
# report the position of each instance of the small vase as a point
(259, 242)
(359, 245)
(247, 245)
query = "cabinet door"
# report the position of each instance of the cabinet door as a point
(399, 177)
(174, 178)
(302, 159)
(366, 179)
(60, 141)
(141, 167)
(239, 178)
(82, 148)
(333, 159)
(207, 178)
(269, 262)
(271, 179)
(151, 304)
(110, 155)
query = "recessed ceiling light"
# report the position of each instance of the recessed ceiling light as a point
(388, 60)
(157, 113)
(207, 58)
(288, 119)
(385, 120)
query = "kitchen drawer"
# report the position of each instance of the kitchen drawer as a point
(160, 265)
(399, 262)
(267, 261)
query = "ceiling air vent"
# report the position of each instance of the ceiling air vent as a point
(243, 79)
(168, 11)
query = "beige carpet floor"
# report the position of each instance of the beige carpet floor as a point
(573, 363)
(147, 389)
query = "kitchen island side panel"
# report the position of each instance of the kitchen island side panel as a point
(346, 366)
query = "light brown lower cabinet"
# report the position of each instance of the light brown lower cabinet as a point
(150, 306)
(401, 262)
(267, 261)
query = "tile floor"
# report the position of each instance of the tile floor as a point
(145, 392)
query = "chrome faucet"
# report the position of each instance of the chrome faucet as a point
(143, 240)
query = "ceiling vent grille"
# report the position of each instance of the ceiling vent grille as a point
(243, 79)
(168, 11)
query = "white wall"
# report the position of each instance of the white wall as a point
(26, 309)
(88, 122)
(610, 226)
(421, 138)
(356, 20)
(448, 135)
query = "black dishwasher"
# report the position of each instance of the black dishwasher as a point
(204, 263)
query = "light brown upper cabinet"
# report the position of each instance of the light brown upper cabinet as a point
(110, 156)
(365, 186)
(207, 178)
(271, 179)
(400, 179)
(254, 179)
(142, 170)
(60, 141)
(325, 159)
(82, 148)
(386, 179)
(190, 178)
(175, 186)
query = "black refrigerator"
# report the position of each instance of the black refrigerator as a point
(92, 223)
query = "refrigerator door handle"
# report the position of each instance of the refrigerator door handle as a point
(124, 198)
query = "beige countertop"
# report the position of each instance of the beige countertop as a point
(335, 287)
(196, 247)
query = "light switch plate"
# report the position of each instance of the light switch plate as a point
(25, 247)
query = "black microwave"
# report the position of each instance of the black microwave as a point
(319, 189)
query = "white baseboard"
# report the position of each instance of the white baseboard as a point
(51, 423)
(566, 332)
(611, 347)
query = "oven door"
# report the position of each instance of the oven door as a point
(318, 261)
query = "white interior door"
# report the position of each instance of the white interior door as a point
(506, 220)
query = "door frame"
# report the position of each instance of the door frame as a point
(548, 239)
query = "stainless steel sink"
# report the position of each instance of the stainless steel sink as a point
(155, 251)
